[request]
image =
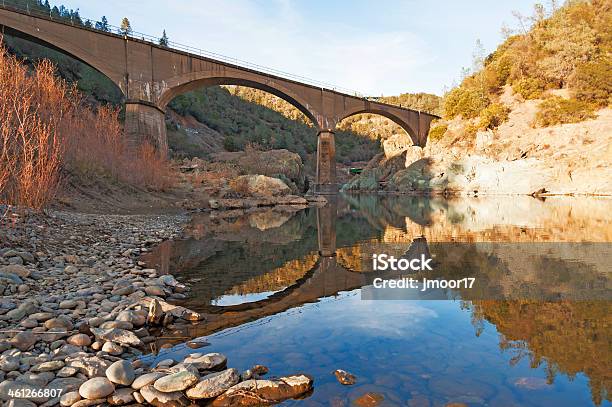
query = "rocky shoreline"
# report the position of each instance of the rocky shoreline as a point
(78, 309)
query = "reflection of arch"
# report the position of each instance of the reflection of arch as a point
(404, 124)
(185, 83)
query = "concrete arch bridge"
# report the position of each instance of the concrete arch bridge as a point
(150, 76)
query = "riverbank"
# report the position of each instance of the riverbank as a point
(516, 158)
(78, 308)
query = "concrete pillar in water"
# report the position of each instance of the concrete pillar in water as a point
(145, 123)
(326, 163)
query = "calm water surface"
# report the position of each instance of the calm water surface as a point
(285, 290)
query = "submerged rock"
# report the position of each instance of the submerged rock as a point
(345, 377)
(369, 399)
(264, 392)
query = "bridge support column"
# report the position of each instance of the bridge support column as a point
(326, 163)
(145, 123)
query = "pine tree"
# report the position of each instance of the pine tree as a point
(126, 28)
(102, 25)
(163, 41)
(47, 5)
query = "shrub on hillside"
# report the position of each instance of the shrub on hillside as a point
(592, 82)
(464, 101)
(437, 131)
(556, 110)
(45, 127)
(529, 88)
(493, 116)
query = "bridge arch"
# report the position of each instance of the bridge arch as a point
(71, 48)
(185, 83)
(403, 123)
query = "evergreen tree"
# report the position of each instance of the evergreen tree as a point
(46, 5)
(163, 41)
(75, 17)
(102, 25)
(125, 28)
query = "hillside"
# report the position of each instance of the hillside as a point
(533, 117)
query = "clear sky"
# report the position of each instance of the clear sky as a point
(377, 47)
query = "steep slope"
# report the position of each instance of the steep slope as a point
(535, 118)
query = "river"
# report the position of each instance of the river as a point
(295, 291)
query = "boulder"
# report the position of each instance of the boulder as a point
(280, 163)
(259, 185)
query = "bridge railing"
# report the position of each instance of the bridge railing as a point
(10, 5)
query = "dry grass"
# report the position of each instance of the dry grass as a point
(47, 131)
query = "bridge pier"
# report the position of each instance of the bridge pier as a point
(326, 163)
(145, 123)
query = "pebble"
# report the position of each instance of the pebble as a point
(121, 372)
(70, 398)
(96, 388)
(176, 382)
(160, 399)
(79, 340)
(146, 379)
(214, 384)
(112, 348)
(121, 397)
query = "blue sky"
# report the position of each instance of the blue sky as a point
(373, 46)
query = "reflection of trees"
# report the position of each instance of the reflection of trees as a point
(278, 278)
(565, 337)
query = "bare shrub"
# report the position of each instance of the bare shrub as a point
(47, 130)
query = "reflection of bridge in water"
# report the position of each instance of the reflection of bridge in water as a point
(327, 278)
